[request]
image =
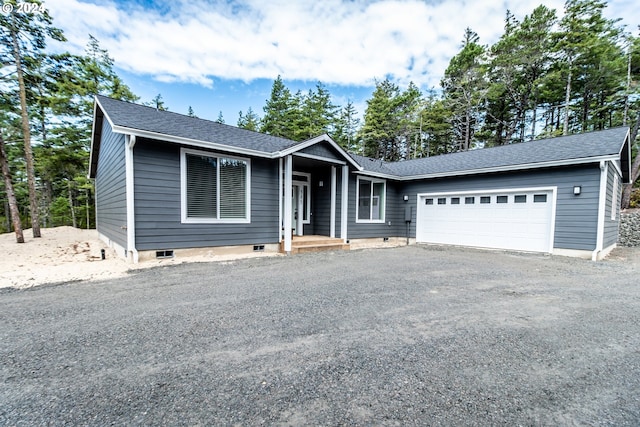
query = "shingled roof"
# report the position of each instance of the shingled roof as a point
(130, 118)
(572, 149)
(127, 115)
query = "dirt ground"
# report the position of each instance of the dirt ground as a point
(67, 254)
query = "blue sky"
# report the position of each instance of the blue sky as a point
(223, 55)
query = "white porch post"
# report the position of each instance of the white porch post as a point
(344, 203)
(299, 211)
(288, 188)
(332, 220)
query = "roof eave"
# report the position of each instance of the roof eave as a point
(315, 140)
(96, 128)
(525, 166)
(191, 142)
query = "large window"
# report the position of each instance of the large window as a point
(371, 200)
(214, 188)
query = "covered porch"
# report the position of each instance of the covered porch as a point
(314, 183)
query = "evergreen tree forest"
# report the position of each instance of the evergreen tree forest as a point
(545, 76)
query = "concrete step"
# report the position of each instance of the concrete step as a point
(298, 249)
(315, 244)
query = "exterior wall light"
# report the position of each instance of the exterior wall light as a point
(405, 198)
(577, 190)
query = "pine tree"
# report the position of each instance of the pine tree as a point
(250, 121)
(11, 195)
(519, 62)
(157, 102)
(464, 87)
(22, 35)
(379, 131)
(345, 129)
(277, 111)
(593, 63)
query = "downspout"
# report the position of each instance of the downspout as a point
(602, 204)
(132, 252)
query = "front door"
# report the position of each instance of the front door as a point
(300, 202)
(297, 209)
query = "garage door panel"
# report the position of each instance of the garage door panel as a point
(522, 225)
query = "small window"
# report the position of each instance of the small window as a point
(502, 199)
(469, 200)
(442, 201)
(428, 201)
(485, 199)
(520, 198)
(371, 200)
(455, 200)
(539, 198)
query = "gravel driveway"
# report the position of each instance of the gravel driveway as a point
(406, 336)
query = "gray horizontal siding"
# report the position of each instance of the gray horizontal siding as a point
(322, 149)
(110, 181)
(576, 216)
(394, 213)
(157, 204)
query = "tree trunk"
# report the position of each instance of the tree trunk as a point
(567, 99)
(74, 221)
(28, 153)
(635, 168)
(625, 116)
(11, 196)
(534, 118)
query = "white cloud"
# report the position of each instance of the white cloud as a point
(333, 41)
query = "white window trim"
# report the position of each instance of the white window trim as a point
(183, 189)
(384, 211)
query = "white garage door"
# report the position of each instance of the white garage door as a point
(513, 219)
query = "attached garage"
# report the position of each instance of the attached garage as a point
(518, 219)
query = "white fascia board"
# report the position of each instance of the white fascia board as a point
(508, 168)
(191, 142)
(93, 135)
(627, 144)
(317, 139)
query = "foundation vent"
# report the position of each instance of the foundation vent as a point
(164, 254)
(258, 248)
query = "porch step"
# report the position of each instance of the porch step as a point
(302, 244)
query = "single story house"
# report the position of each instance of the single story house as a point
(167, 183)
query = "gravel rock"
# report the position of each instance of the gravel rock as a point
(629, 231)
(418, 335)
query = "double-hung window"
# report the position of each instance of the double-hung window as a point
(215, 188)
(371, 195)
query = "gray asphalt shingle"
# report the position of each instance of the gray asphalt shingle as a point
(572, 147)
(143, 118)
(560, 149)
